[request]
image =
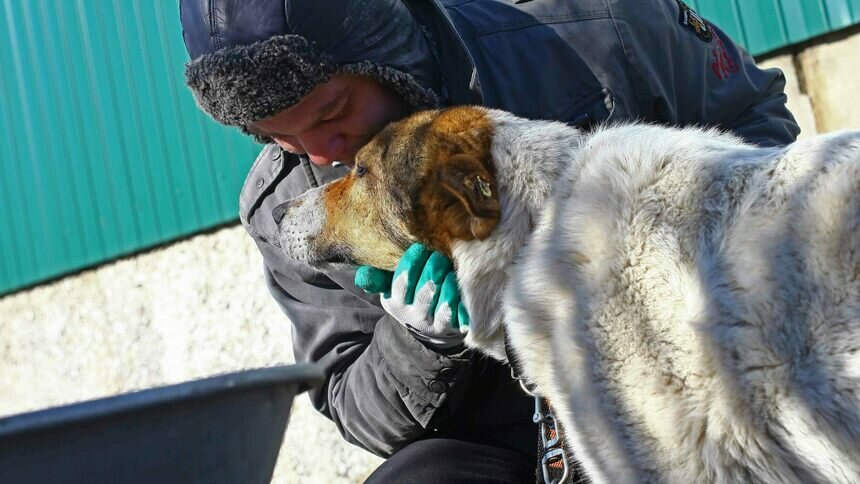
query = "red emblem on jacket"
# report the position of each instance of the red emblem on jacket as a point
(722, 65)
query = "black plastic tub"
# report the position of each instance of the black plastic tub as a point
(224, 429)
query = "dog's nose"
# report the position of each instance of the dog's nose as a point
(280, 212)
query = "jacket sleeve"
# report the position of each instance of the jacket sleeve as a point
(384, 388)
(686, 71)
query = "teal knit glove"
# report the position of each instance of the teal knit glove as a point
(422, 294)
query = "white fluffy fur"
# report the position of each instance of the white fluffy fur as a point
(690, 304)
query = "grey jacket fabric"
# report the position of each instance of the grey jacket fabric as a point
(580, 61)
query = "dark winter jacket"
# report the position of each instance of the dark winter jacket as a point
(579, 61)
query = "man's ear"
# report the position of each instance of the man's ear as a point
(468, 179)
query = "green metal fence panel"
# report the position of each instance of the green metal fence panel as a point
(762, 26)
(804, 19)
(839, 13)
(102, 149)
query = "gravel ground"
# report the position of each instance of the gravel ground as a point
(192, 309)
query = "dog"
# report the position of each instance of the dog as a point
(688, 302)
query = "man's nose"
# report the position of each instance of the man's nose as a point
(323, 147)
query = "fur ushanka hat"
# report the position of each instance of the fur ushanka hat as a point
(253, 58)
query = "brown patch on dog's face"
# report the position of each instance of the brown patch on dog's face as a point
(427, 178)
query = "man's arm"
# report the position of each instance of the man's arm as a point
(384, 388)
(685, 71)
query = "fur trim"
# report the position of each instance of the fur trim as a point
(243, 84)
(403, 83)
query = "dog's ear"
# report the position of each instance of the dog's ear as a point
(470, 182)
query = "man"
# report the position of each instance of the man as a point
(318, 78)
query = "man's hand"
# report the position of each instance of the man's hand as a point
(422, 294)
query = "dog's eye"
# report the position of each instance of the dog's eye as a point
(360, 170)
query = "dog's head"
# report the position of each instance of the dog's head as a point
(427, 178)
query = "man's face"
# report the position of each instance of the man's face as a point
(335, 119)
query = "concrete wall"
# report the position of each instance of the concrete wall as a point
(831, 76)
(823, 81)
(799, 102)
(199, 307)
